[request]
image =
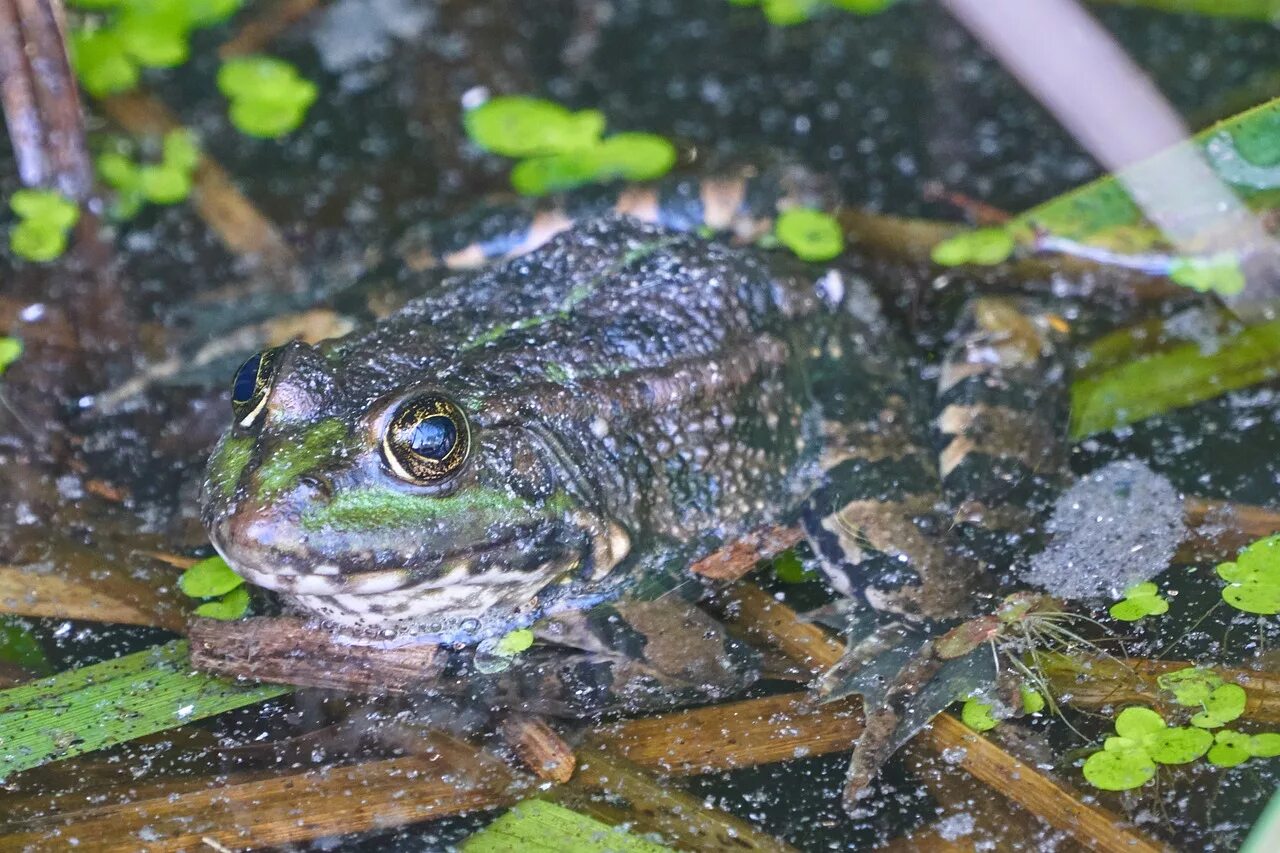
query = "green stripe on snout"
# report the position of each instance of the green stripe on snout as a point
(306, 452)
(226, 464)
(376, 509)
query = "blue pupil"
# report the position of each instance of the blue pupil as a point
(434, 437)
(246, 382)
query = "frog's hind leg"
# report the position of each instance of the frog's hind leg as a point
(1000, 429)
(741, 203)
(874, 521)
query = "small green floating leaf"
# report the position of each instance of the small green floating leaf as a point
(117, 170)
(863, 7)
(1191, 686)
(10, 350)
(1265, 745)
(101, 62)
(1178, 745)
(789, 568)
(812, 235)
(1221, 275)
(1032, 701)
(164, 184)
(37, 241)
(538, 826)
(156, 37)
(209, 578)
(786, 13)
(514, 643)
(45, 206)
(633, 157)
(181, 150)
(231, 606)
(1139, 601)
(1224, 704)
(976, 714)
(1118, 770)
(538, 176)
(985, 246)
(268, 97)
(519, 126)
(1137, 722)
(1253, 579)
(1229, 749)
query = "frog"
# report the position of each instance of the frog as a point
(595, 396)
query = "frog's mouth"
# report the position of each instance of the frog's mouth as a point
(459, 597)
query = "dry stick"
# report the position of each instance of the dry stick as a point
(1022, 783)
(1096, 682)
(242, 229)
(266, 25)
(539, 748)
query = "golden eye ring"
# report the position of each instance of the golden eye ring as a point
(251, 384)
(427, 440)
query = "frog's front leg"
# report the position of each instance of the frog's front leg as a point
(628, 656)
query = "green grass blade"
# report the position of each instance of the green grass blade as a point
(109, 703)
(538, 826)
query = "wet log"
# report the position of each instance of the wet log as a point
(288, 650)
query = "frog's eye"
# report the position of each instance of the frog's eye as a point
(427, 439)
(251, 384)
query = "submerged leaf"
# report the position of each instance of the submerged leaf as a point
(1190, 686)
(977, 715)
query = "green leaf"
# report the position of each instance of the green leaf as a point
(231, 606)
(1138, 722)
(1191, 686)
(19, 646)
(1265, 745)
(1118, 770)
(633, 157)
(863, 7)
(97, 5)
(1172, 379)
(514, 643)
(118, 170)
(181, 151)
(206, 13)
(538, 176)
(789, 568)
(977, 715)
(268, 98)
(1177, 745)
(208, 578)
(101, 62)
(1224, 704)
(264, 119)
(1221, 275)
(812, 235)
(518, 126)
(1032, 701)
(109, 703)
(1253, 580)
(1229, 749)
(156, 38)
(985, 246)
(10, 350)
(785, 13)
(164, 184)
(37, 241)
(46, 207)
(538, 826)
(1139, 601)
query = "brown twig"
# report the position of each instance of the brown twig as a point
(266, 25)
(539, 748)
(1050, 800)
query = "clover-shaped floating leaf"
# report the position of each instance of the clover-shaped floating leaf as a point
(496, 654)
(1229, 749)
(985, 246)
(10, 350)
(101, 62)
(156, 35)
(977, 715)
(519, 126)
(633, 157)
(1032, 701)
(166, 182)
(514, 642)
(1253, 579)
(268, 98)
(1224, 704)
(209, 578)
(231, 606)
(1190, 686)
(537, 176)
(1143, 740)
(811, 234)
(44, 219)
(1139, 601)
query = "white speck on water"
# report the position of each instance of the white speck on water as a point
(31, 313)
(954, 827)
(954, 755)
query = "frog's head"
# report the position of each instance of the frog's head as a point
(397, 510)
